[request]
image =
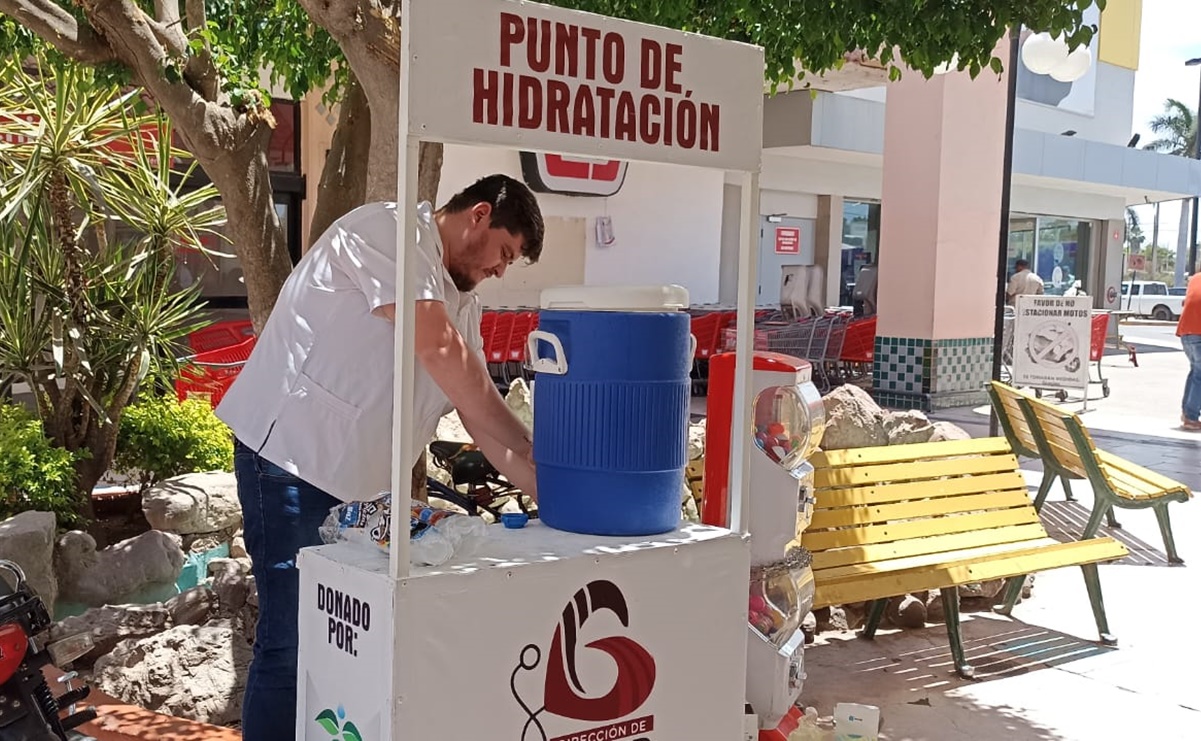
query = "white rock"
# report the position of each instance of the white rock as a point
(451, 428)
(194, 503)
(907, 427)
(947, 431)
(237, 546)
(193, 607)
(853, 420)
(28, 541)
(116, 574)
(189, 671)
(521, 401)
(112, 624)
(696, 440)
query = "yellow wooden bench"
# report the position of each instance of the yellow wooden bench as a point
(1068, 452)
(908, 518)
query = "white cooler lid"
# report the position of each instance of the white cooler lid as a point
(616, 298)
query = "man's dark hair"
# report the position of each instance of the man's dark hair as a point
(514, 209)
(1021, 263)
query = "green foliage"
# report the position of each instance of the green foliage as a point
(161, 437)
(818, 33)
(276, 35)
(34, 473)
(1176, 128)
(92, 210)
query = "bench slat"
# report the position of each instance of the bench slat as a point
(911, 452)
(860, 515)
(825, 559)
(927, 527)
(929, 489)
(1155, 482)
(1021, 427)
(967, 570)
(899, 472)
(928, 559)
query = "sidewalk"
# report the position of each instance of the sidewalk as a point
(1041, 675)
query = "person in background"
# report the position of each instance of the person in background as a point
(1188, 329)
(1023, 283)
(311, 411)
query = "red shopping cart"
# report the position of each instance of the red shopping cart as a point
(208, 375)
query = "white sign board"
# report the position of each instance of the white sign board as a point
(541, 636)
(1051, 341)
(534, 77)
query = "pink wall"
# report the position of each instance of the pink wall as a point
(943, 158)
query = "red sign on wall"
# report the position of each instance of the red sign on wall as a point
(788, 240)
(573, 176)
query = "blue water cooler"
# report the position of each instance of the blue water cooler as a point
(611, 407)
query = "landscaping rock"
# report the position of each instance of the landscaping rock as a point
(135, 567)
(830, 618)
(935, 609)
(521, 401)
(696, 441)
(853, 420)
(809, 627)
(232, 588)
(189, 671)
(907, 427)
(983, 590)
(451, 428)
(193, 607)
(906, 612)
(237, 546)
(112, 624)
(946, 431)
(194, 503)
(28, 541)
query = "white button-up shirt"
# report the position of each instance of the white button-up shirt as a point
(315, 397)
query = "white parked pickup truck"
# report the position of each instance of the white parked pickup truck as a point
(1150, 298)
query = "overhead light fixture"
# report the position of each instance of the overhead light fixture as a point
(1044, 55)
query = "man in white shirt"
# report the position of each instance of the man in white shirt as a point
(311, 411)
(1024, 282)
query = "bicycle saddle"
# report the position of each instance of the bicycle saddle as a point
(467, 465)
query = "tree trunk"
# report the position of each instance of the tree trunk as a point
(252, 224)
(344, 175)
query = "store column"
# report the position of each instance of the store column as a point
(940, 218)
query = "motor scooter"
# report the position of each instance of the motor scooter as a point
(29, 711)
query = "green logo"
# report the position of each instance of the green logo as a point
(335, 723)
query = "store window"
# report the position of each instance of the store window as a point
(860, 243)
(1057, 250)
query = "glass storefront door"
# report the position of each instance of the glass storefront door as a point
(1057, 250)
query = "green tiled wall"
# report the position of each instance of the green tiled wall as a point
(912, 373)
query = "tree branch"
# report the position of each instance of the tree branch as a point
(166, 12)
(59, 28)
(201, 71)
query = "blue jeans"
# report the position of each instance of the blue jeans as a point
(1192, 385)
(281, 515)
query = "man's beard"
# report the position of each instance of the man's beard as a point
(465, 283)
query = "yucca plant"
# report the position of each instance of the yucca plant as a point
(92, 209)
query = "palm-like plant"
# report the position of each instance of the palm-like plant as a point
(85, 314)
(1176, 128)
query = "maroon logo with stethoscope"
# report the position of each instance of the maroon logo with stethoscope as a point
(566, 696)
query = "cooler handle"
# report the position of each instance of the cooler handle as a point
(556, 365)
(691, 345)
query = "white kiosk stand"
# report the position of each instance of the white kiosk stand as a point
(543, 635)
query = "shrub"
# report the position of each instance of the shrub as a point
(161, 437)
(35, 474)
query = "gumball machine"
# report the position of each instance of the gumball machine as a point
(789, 420)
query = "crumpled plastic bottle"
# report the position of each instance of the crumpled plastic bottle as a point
(808, 729)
